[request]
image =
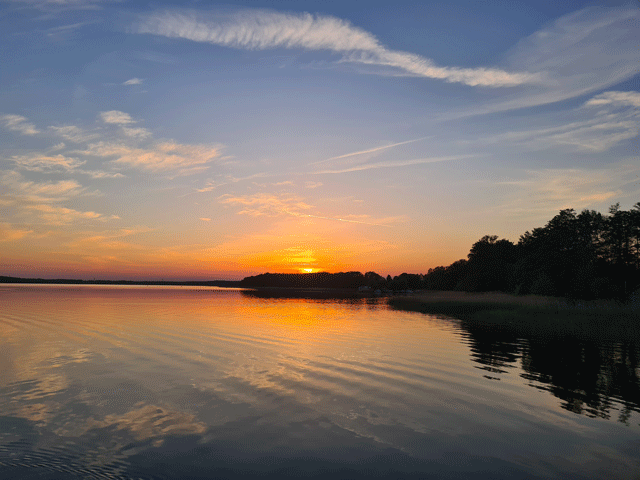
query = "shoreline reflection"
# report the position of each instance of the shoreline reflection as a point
(589, 377)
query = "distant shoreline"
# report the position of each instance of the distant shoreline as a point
(65, 281)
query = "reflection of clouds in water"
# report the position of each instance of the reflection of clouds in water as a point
(151, 421)
(39, 369)
(36, 412)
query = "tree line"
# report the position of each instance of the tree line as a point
(583, 255)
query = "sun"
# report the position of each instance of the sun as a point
(307, 270)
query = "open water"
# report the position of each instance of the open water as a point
(176, 382)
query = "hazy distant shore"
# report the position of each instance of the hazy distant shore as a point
(311, 292)
(66, 281)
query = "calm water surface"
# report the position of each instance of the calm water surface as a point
(167, 382)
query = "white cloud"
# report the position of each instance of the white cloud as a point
(392, 164)
(54, 5)
(73, 133)
(59, 163)
(547, 191)
(263, 204)
(140, 132)
(368, 152)
(618, 99)
(47, 163)
(16, 188)
(117, 117)
(133, 81)
(163, 156)
(580, 53)
(259, 30)
(101, 174)
(611, 118)
(18, 123)
(52, 191)
(55, 215)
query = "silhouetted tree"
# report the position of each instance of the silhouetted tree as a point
(490, 266)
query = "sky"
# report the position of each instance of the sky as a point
(197, 140)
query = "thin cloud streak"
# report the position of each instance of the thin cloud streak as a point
(588, 50)
(18, 123)
(546, 191)
(47, 163)
(305, 215)
(260, 30)
(392, 164)
(117, 117)
(600, 124)
(615, 98)
(159, 157)
(371, 150)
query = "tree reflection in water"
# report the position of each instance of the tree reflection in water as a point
(597, 378)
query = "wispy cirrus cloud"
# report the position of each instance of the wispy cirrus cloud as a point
(263, 204)
(133, 81)
(138, 132)
(73, 133)
(124, 120)
(62, 5)
(600, 124)
(544, 192)
(18, 123)
(260, 30)
(47, 163)
(579, 53)
(158, 157)
(391, 164)
(9, 233)
(272, 205)
(101, 174)
(57, 215)
(17, 187)
(123, 143)
(367, 152)
(116, 117)
(615, 98)
(350, 218)
(42, 202)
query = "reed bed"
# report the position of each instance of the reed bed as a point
(530, 314)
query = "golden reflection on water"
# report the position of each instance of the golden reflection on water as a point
(307, 351)
(135, 364)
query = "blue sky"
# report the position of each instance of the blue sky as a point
(195, 139)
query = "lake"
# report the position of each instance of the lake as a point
(197, 382)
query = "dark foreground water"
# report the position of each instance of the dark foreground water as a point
(173, 382)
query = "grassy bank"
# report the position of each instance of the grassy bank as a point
(530, 315)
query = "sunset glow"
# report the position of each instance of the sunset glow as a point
(217, 141)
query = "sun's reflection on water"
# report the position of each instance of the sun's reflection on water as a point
(145, 366)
